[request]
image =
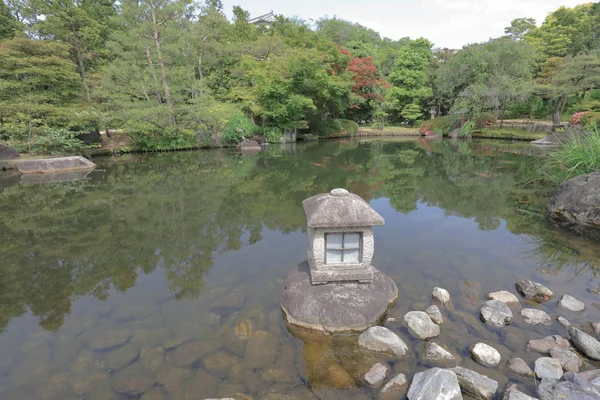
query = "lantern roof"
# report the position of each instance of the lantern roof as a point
(339, 209)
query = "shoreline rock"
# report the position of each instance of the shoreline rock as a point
(496, 313)
(420, 326)
(533, 291)
(485, 355)
(379, 338)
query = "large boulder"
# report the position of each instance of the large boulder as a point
(533, 291)
(585, 343)
(8, 153)
(477, 385)
(576, 203)
(89, 138)
(420, 325)
(379, 338)
(337, 306)
(496, 313)
(571, 386)
(435, 383)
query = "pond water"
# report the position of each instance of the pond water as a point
(159, 276)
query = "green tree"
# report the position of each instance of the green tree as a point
(84, 25)
(519, 28)
(9, 26)
(410, 77)
(487, 76)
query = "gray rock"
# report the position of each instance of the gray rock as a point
(571, 303)
(533, 291)
(595, 290)
(229, 303)
(131, 382)
(563, 322)
(434, 383)
(437, 353)
(485, 355)
(548, 368)
(572, 386)
(576, 202)
(441, 295)
(248, 144)
(519, 367)
(187, 354)
(337, 306)
(596, 327)
(379, 338)
(101, 340)
(513, 393)
(593, 377)
(420, 325)
(569, 361)
(58, 164)
(477, 385)
(376, 375)
(122, 357)
(548, 343)
(496, 313)
(503, 296)
(585, 343)
(397, 384)
(435, 314)
(8, 153)
(532, 316)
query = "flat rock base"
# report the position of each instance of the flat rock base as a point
(338, 306)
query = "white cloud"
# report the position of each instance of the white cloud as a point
(447, 23)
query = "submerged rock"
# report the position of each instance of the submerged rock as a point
(585, 343)
(441, 295)
(571, 303)
(435, 314)
(396, 386)
(513, 393)
(186, 354)
(563, 322)
(420, 325)
(596, 327)
(569, 361)
(546, 344)
(379, 338)
(519, 367)
(435, 383)
(503, 296)
(548, 368)
(131, 382)
(496, 313)
(437, 353)
(261, 350)
(533, 291)
(576, 202)
(572, 386)
(485, 355)
(475, 384)
(376, 375)
(532, 316)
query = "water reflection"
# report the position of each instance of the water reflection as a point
(138, 267)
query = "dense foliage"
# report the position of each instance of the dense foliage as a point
(173, 73)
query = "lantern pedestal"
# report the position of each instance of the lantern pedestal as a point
(336, 307)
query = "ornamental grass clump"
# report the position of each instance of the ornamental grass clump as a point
(578, 154)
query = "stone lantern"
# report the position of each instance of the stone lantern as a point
(337, 289)
(340, 237)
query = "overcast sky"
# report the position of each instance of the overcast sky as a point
(447, 23)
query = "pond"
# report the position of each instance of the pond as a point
(159, 276)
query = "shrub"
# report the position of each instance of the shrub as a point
(443, 125)
(272, 133)
(238, 127)
(578, 154)
(348, 126)
(485, 119)
(590, 120)
(576, 118)
(325, 127)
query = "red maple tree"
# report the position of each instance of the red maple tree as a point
(367, 83)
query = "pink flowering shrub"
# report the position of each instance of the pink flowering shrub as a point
(576, 118)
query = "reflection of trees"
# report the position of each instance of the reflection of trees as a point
(177, 211)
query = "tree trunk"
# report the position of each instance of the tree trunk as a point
(163, 70)
(81, 67)
(200, 73)
(151, 64)
(560, 102)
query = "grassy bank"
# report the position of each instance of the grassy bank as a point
(507, 133)
(388, 131)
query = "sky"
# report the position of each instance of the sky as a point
(447, 23)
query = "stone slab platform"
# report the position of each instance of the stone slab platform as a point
(52, 165)
(336, 307)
